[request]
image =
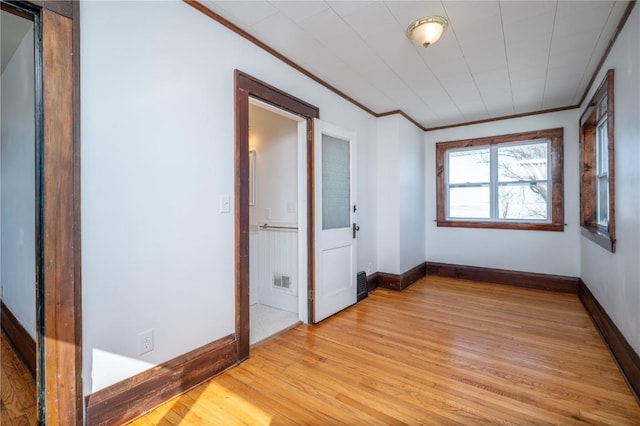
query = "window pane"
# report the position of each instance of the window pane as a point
(523, 201)
(523, 162)
(469, 166)
(602, 108)
(603, 201)
(335, 183)
(602, 148)
(469, 202)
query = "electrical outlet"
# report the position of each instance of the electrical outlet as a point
(145, 340)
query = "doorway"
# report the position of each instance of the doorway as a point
(330, 194)
(19, 229)
(277, 220)
(57, 211)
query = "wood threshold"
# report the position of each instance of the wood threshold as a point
(21, 340)
(625, 357)
(557, 283)
(402, 281)
(132, 397)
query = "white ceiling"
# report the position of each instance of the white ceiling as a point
(12, 30)
(496, 58)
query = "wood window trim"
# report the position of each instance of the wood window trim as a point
(588, 196)
(556, 136)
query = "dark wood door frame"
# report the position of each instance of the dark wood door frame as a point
(245, 87)
(58, 293)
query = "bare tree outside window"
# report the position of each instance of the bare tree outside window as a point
(503, 181)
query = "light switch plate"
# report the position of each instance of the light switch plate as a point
(225, 204)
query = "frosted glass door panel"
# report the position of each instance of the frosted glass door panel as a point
(335, 183)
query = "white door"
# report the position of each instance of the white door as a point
(335, 220)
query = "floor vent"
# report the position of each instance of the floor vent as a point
(363, 290)
(282, 282)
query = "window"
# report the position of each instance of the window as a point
(509, 181)
(596, 167)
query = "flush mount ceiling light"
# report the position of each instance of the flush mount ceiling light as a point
(426, 31)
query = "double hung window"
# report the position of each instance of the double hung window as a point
(597, 167)
(509, 181)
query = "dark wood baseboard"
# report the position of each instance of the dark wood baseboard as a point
(372, 282)
(132, 397)
(559, 283)
(624, 355)
(402, 281)
(21, 340)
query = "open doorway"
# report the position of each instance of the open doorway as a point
(19, 235)
(56, 195)
(277, 220)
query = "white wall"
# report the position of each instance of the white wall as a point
(388, 182)
(157, 152)
(275, 139)
(401, 190)
(412, 196)
(530, 251)
(17, 166)
(614, 278)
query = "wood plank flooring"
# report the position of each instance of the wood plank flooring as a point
(444, 351)
(18, 389)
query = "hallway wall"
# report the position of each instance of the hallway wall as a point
(17, 180)
(157, 154)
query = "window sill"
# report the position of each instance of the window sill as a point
(523, 226)
(601, 239)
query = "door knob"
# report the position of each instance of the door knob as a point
(355, 229)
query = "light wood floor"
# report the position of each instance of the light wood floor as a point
(18, 389)
(442, 352)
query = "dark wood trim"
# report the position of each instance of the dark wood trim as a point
(242, 33)
(241, 200)
(504, 117)
(372, 282)
(556, 136)
(558, 283)
(59, 302)
(523, 226)
(405, 115)
(60, 7)
(621, 24)
(247, 86)
(76, 211)
(9, 8)
(402, 281)
(588, 141)
(622, 352)
(132, 397)
(21, 340)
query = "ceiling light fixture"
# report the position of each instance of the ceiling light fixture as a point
(426, 31)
